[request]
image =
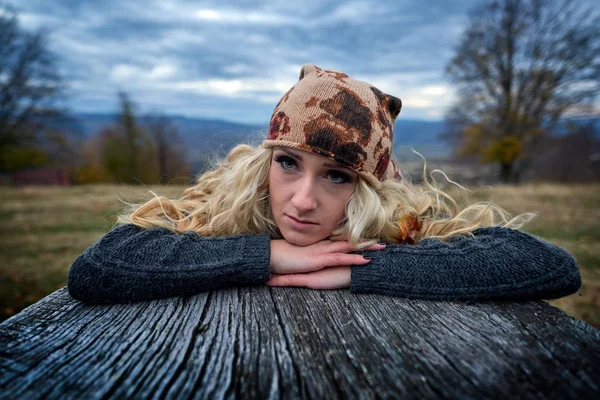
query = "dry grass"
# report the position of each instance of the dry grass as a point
(43, 229)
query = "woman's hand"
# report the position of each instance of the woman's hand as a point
(323, 265)
(329, 278)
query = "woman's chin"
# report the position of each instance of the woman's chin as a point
(300, 239)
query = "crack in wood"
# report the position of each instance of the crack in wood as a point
(287, 340)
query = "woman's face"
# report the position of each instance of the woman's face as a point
(308, 194)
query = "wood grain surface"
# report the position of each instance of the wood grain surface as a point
(261, 342)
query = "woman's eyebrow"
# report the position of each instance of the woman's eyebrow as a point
(338, 166)
(291, 154)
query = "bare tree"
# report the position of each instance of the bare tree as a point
(126, 123)
(520, 67)
(141, 150)
(30, 85)
(124, 147)
(169, 148)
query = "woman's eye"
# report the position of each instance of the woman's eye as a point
(285, 162)
(338, 177)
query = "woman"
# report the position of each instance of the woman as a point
(314, 206)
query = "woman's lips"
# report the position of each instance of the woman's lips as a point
(300, 224)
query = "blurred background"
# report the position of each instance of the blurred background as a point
(103, 102)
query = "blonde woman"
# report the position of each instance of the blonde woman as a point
(320, 205)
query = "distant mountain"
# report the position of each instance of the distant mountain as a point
(195, 132)
(422, 136)
(562, 128)
(206, 138)
(216, 135)
(203, 136)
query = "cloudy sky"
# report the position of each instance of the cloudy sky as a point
(233, 60)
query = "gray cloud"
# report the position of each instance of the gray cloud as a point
(234, 61)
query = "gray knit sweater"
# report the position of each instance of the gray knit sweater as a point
(132, 264)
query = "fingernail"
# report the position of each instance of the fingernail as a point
(382, 243)
(366, 258)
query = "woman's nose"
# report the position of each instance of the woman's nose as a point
(304, 197)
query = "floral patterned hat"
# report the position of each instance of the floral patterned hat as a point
(347, 120)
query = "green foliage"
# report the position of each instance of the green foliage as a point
(14, 158)
(90, 173)
(505, 150)
(114, 155)
(477, 142)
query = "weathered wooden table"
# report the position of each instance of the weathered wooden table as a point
(261, 342)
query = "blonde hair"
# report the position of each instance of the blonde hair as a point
(234, 199)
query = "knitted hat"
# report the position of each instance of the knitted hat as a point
(344, 119)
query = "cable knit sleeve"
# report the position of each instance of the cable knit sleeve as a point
(132, 264)
(495, 263)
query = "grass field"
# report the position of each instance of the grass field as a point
(43, 229)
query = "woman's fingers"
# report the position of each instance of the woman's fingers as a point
(344, 247)
(339, 259)
(376, 246)
(286, 280)
(331, 278)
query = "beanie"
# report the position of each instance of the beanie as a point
(349, 121)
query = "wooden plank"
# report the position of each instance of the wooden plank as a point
(261, 342)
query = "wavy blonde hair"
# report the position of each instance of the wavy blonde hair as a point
(233, 199)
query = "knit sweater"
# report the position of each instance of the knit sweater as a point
(133, 264)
